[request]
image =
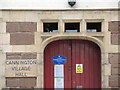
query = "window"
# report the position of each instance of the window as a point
(50, 27)
(94, 27)
(72, 27)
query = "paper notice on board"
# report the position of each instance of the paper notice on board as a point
(59, 76)
(59, 82)
(58, 70)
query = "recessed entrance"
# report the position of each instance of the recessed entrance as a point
(81, 52)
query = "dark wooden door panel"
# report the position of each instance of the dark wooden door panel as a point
(86, 53)
(61, 47)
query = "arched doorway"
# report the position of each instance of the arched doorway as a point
(77, 52)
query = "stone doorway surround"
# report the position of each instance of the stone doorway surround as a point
(104, 57)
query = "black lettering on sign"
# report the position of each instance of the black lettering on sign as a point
(21, 75)
(23, 62)
(25, 68)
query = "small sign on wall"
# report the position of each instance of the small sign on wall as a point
(21, 68)
(59, 59)
(79, 68)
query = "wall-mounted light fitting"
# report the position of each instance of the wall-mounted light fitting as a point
(71, 2)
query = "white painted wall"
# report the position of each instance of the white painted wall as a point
(57, 4)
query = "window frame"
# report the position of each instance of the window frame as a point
(94, 21)
(72, 21)
(52, 31)
(78, 30)
(49, 21)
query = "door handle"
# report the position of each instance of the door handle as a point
(79, 87)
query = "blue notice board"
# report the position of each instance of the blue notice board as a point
(59, 59)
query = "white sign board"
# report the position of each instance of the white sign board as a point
(79, 68)
(58, 76)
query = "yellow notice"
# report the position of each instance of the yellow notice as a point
(79, 68)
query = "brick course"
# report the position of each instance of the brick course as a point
(12, 82)
(114, 58)
(21, 55)
(114, 27)
(114, 81)
(115, 69)
(22, 39)
(22, 89)
(115, 39)
(13, 27)
(21, 33)
(21, 82)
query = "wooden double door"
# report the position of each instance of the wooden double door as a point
(77, 52)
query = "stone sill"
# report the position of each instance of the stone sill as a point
(49, 34)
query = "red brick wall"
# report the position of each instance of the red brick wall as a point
(21, 33)
(21, 55)
(114, 27)
(21, 82)
(114, 58)
(115, 69)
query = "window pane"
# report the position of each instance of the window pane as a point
(50, 27)
(72, 27)
(94, 27)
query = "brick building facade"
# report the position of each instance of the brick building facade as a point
(23, 38)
